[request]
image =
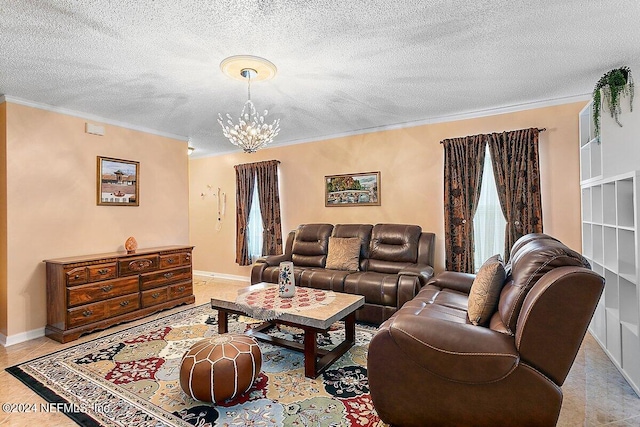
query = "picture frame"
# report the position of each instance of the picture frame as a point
(354, 189)
(118, 182)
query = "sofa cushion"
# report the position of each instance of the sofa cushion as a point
(310, 245)
(321, 278)
(532, 261)
(362, 231)
(377, 288)
(344, 253)
(393, 246)
(485, 291)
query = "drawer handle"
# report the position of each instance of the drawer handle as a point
(155, 295)
(87, 313)
(171, 260)
(188, 257)
(77, 276)
(140, 265)
(168, 275)
(124, 303)
(104, 271)
(181, 288)
(106, 288)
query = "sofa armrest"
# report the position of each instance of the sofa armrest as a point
(273, 260)
(459, 352)
(460, 282)
(423, 271)
(267, 261)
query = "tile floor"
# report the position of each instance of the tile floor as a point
(595, 394)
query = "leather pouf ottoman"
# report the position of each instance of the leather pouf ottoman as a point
(221, 367)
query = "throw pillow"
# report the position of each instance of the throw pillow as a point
(343, 253)
(485, 291)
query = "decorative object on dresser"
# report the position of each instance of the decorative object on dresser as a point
(131, 245)
(356, 189)
(117, 182)
(91, 292)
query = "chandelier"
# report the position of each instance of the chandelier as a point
(252, 131)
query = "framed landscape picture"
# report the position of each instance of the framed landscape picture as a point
(118, 182)
(355, 189)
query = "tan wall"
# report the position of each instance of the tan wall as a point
(51, 200)
(410, 161)
(3, 219)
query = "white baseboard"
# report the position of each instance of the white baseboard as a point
(7, 341)
(221, 276)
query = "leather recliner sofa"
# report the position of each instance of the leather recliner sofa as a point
(395, 261)
(429, 365)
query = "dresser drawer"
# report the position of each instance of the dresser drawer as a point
(165, 277)
(76, 276)
(185, 258)
(138, 265)
(94, 292)
(123, 304)
(154, 296)
(168, 261)
(180, 290)
(103, 271)
(86, 314)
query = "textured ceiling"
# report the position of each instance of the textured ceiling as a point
(343, 66)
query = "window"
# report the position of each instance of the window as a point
(488, 223)
(255, 226)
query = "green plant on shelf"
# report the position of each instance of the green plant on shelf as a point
(612, 86)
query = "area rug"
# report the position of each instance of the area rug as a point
(131, 378)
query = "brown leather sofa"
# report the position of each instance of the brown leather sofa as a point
(396, 260)
(429, 365)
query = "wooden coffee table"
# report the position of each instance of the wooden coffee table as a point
(311, 320)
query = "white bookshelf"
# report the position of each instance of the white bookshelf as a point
(610, 219)
(611, 236)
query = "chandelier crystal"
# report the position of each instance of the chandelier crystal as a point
(251, 132)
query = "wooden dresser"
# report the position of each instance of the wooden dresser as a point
(87, 293)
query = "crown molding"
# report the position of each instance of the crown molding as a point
(430, 121)
(450, 118)
(433, 120)
(87, 116)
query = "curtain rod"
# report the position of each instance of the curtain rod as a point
(539, 130)
(255, 163)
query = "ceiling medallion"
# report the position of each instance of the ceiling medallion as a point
(251, 133)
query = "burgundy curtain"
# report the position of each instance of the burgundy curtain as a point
(515, 156)
(269, 196)
(463, 165)
(245, 177)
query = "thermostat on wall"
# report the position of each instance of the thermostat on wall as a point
(94, 129)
